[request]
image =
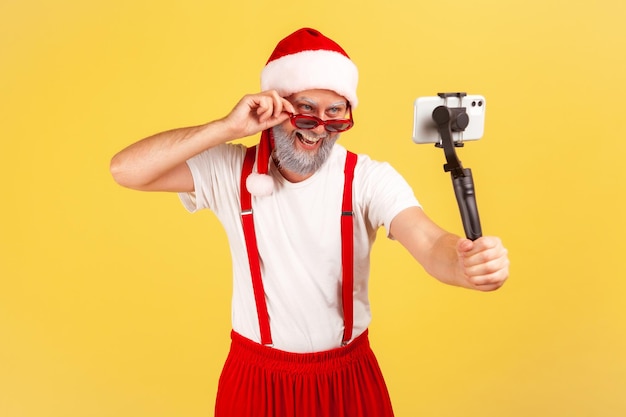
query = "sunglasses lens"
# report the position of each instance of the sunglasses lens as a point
(338, 126)
(309, 122)
(305, 123)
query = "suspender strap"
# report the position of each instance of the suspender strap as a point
(247, 221)
(347, 248)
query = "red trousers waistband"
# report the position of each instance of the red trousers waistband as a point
(260, 381)
(304, 362)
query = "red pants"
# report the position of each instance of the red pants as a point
(259, 381)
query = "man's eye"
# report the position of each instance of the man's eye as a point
(304, 108)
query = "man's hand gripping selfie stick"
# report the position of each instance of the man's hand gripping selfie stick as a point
(450, 120)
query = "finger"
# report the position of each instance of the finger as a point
(484, 249)
(281, 107)
(287, 106)
(277, 103)
(493, 273)
(487, 268)
(487, 282)
(463, 246)
(487, 242)
(264, 108)
(273, 106)
(486, 263)
(488, 287)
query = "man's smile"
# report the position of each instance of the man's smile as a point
(308, 140)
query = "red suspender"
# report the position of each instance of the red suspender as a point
(347, 249)
(253, 251)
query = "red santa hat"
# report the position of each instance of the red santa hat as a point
(304, 60)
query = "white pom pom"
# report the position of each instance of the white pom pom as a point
(260, 185)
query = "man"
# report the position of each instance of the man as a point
(301, 214)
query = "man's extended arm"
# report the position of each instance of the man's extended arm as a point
(482, 264)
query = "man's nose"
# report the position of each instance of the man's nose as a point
(319, 129)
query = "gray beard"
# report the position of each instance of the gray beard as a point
(298, 161)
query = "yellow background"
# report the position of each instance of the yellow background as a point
(116, 303)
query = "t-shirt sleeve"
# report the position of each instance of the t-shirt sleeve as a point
(216, 176)
(384, 192)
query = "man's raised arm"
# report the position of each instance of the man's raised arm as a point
(158, 162)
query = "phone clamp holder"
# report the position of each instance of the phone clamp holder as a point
(455, 119)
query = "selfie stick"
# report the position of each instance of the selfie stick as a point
(450, 120)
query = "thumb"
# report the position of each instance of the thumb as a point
(464, 245)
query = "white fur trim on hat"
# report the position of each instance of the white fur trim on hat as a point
(308, 70)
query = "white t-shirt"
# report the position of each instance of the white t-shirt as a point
(299, 239)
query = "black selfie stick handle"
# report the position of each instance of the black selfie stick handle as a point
(466, 198)
(449, 120)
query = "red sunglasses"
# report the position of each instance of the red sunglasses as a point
(306, 122)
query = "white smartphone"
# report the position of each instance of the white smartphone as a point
(425, 129)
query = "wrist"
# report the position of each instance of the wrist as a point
(219, 131)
